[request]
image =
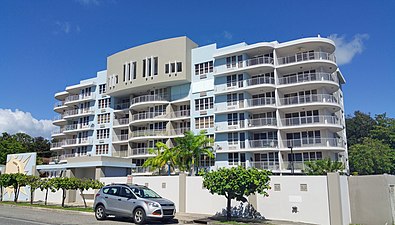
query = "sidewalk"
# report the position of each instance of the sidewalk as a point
(186, 218)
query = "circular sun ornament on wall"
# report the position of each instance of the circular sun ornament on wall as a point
(16, 164)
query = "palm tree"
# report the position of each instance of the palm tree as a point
(163, 155)
(322, 167)
(191, 147)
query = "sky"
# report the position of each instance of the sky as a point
(48, 45)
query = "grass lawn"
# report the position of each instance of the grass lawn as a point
(39, 205)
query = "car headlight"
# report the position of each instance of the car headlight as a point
(153, 204)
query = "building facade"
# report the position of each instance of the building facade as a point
(267, 105)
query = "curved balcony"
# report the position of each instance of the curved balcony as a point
(306, 56)
(179, 131)
(324, 99)
(148, 99)
(56, 145)
(79, 112)
(252, 83)
(150, 116)
(247, 65)
(59, 132)
(133, 153)
(78, 127)
(59, 106)
(249, 124)
(119, 139)
(77, 142)
(312, 121)
(247, 145)
(246, 104)
(122, 106)
(59, 120)
(71, 99)
(314, 143)
(314, 80)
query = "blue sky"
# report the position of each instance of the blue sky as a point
(48, 45)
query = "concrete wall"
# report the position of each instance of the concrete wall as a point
(53, 197)
(372, 199)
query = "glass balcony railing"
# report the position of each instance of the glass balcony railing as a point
(244, 83)
(121, 121)
(148, 115)
(180, 113)
(72, 98)
(82, 111)
(122, 106)
(59, 104)
(313, 142)
(145, 133)
(149, 98)
(306, 56)
(300, 121)
(302, 78)
(268, 165)
(121, 137)
(262, 143)
(304, 99)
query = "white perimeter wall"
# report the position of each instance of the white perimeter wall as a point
(312, 205)
(53, 197)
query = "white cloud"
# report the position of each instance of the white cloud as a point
(346, 50)
(227, 35)
(66, 27)
(88, 2)
(18, 121)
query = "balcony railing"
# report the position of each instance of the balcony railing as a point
(249, 123)
(297, 121)
(266, 165)
(121, 121)
(313, 142)
(149, 98)
(244, 83)
(179, 131)
(140, 151)
(263, 143)
(57, 144)
(79, 111)
(246, 103)
(180, 113)
(59, 131)
(122, 106)
(324, 98)
(148, 115)
(59, 104)
(259, 60)
(121, 137)
(302, 78)
(78, 97)
(78, 141)
(144, 133)
(141, 169)
(58, 117)
(306, 56)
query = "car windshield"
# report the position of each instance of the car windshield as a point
(145, 193)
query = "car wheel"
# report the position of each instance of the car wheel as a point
(100, 212)
(139, 216)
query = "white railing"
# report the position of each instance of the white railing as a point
(122, 106)
(302, 78)
(259, 60)
(297, 121)
(71, 98)
(180, 131)
(144, 133)
(303, 99)
(260, 101)
(244, 83)
(313, 142)
(298, 165)
(78, 141)
(246, 103)
(263, 143)
(180, 113)
(59, 104)
(306, 56)
(140, 151)
(79, 111)
(260, 122)
(58, 117)
(149, 98)
(148, 115)
(140, 169)
(57, 144)
(266, 165)
(121, 137)
(59, 131)
(121, 121)
(71, 127)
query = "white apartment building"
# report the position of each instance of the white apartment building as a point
(266, 105)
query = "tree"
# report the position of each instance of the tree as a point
(47, 184)
(358, 127)
(384, 130)
(190, 147)
(34, 182)
(158, 161)
(64, 184)
(86, 184)
(372, 157)
(9, 145)
(323, 167)
(17, 180)
(5, 181)
(236, 182)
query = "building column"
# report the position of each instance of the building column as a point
(99, 173)
(182, 182)
(334, 197)
(71, 194)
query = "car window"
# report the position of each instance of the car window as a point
(125, 192)
(137, 192)
(105, 190)
(114, 191)
(148, 193)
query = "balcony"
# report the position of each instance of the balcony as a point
(179, 131)
(148, 115)
(311, 77)
(120, 138)
(148, 133)
(253, 63)
(180, 114)
(57, 145)
(245, 104)
(247, 145)
(306, 56)
(75, 98)
(78, 141)
(245, 84)
(307, 120)
(79, 112)
(58, 132)
(314, 142)
(245, 124)
(306, 99)
(149, 98)
(266, 165)
(141, 169)
(64, 157)
(121, 122)
(122, 106)
(76, 127)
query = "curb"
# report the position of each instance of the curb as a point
(50, 209)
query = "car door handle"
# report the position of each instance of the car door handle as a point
(106, 197)
(119, 199)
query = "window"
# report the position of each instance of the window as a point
(102, 149)
(155, 65)
(204, 122)
(104, 103)
(231, 61)
(134, 64)
(103, 133)
(166, 68)
(203, 68)
(233, 158)
(116, 79)
(144, 66)
(179, 66)
(233, 138)
(149, 67)
(124, 72)
(204, 103)
(173, 67)
(306, 156)
(103, 118)
(102, 88)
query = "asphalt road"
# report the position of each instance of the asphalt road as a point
(15, 215)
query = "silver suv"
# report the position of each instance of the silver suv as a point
(138, 202)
